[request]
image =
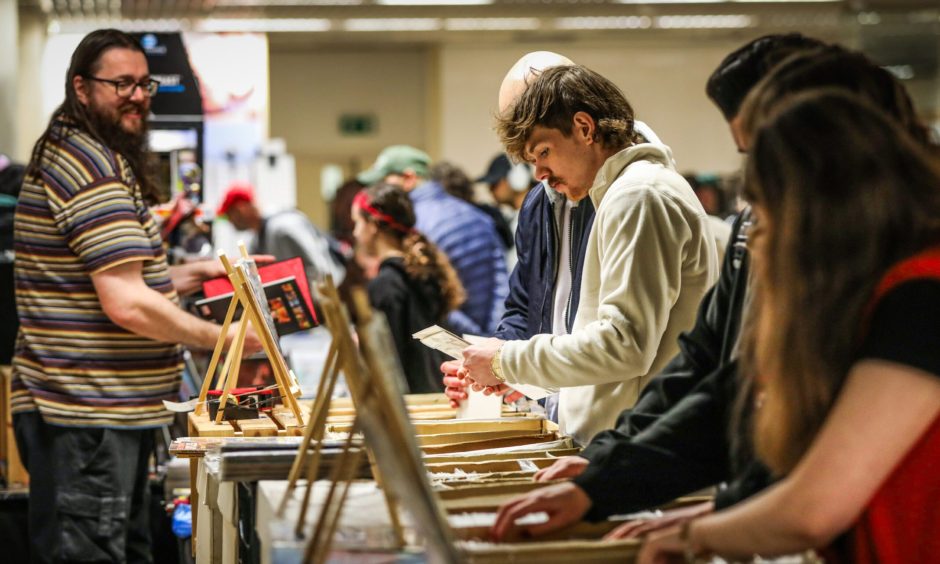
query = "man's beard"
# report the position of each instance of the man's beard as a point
(132, 146)
(108, 128)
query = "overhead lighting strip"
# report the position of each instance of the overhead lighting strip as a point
(604, 22)
(284, 3)
(433, 2)
(392, 24)
(491, 24)
(731, 21)
(260, 25)
(728, 1)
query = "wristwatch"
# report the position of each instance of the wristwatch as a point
(495, 367)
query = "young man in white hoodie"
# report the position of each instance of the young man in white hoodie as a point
(650, 255)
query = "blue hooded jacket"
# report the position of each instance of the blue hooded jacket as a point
(530, 305)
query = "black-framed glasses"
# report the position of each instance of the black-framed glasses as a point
(126, 87)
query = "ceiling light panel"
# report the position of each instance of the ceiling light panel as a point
(392, 24)
(491, 24)
(604, 22)
(260, 25)
(433, 2)
(729, 21)
(290, 3)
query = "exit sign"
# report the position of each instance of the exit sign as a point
(357, 124)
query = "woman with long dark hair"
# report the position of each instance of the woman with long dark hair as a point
(415, 286)
(842, 348)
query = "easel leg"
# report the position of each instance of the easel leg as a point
(236, 352)
(321, 402)
(216, 353)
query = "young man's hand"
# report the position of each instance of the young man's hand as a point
(565, 467)
(478, 364)
(564, 503)
(455, 385)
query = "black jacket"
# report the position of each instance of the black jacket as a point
(410, 306)
(529, 306)
(675, 439)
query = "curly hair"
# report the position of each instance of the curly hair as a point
(424, 262)
(553, 98)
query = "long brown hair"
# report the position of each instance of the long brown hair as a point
(842, 193)
(85, 62)
(390, 209)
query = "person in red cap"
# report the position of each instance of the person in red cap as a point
(285, 234)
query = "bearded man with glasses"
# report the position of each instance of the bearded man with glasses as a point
(98, 348)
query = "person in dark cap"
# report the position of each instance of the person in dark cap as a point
(466, 235)
(509, 183)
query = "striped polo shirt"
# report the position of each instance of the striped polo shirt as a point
(79, 214)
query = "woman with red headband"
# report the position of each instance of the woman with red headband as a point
(415, 286)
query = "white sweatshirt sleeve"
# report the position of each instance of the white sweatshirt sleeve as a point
(634, 270)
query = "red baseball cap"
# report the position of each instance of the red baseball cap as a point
(236, 193)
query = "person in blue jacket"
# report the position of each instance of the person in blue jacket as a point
(465, 234)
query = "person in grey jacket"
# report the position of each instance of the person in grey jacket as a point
(284, 234)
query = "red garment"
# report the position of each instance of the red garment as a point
(901, 523)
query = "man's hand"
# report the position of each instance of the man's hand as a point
(252, 340)
(565, 504)
(509, 395)
(662, 547)
(563, 468)
(674, 518)
(188, 277)
(478, 364)
(455, 385)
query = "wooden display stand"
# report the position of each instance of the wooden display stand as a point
(342, 357)
(13, 470)
(248, 295)
(390, 437)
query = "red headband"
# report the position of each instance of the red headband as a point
(361, 201)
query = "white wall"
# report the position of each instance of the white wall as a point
(664, 83)
(31, 118)
(443, 99)
(312, 87)
(9, 33)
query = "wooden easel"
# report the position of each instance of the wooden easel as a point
(342, 357)
(373, 393)
(245, 294)
(306, 462)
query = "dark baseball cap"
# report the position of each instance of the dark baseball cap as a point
(499, 168)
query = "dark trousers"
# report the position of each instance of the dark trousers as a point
(88, 491)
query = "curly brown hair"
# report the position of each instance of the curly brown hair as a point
(424, 262)
(552, 99)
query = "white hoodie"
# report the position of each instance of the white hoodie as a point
(650, 259)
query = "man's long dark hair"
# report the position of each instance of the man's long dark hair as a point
(86, 61)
